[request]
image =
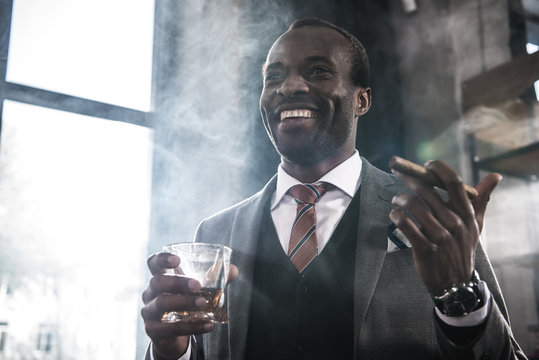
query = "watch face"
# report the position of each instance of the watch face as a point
(460, 302)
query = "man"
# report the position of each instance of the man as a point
(352, 287)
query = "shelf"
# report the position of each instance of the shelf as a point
(504, 82)
(521, 162)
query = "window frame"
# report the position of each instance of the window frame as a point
(54, 100)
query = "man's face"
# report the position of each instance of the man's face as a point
(308, 100)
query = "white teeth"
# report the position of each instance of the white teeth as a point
(304, 113)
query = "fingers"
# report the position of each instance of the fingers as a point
(441, 258)
(484, 188)
(428, 225)
(458, 199)
(157, 307)
(163, 303)
(166, 293)
(443, 234)
(420, 243)
(172, 284)
(172, 293)
(487, 185)
(427, 208)
(158, 330)
(169, 284)
(158, 263)
(232, 273)
(421, 173)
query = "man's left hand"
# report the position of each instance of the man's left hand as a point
(445, 234)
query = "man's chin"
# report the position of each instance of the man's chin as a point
(301, 156)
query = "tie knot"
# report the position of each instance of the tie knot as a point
(309, 193)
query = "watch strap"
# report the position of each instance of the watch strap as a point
(460, 299)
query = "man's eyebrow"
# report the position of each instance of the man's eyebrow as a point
(271, 66)
(309, 59)
(317, 58)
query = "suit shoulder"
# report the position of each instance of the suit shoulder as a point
(218, 228)
(373, 175)
(224, 218)
(230, 212)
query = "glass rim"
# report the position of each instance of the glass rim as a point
(203, 244)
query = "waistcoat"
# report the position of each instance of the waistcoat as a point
(304, 317)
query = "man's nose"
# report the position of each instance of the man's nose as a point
(293, 84)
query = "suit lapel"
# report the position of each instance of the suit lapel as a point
(375, 204)
(244, 239)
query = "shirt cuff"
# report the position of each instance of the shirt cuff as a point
(185, 356)
(475, 317)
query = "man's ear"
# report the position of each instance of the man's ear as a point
(362, 100)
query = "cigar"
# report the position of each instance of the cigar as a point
(409, 168)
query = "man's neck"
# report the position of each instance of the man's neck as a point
(313, 172)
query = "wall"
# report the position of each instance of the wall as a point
(440, 45)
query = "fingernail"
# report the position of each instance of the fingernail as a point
(201, 302)
(193, 285)
(208, 327)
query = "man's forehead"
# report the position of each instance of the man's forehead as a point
(308, 42)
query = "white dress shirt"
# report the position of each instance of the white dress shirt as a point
(329, 208)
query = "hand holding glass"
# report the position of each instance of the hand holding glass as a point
(209, 264)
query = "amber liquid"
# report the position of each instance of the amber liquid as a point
(215, 311)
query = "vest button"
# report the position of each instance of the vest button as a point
(485, 356)
(303, 289)
(300, 347)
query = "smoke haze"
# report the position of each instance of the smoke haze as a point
(207, 125)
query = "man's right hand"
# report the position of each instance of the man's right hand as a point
(172, 293)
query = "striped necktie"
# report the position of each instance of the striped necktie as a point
(303, 245)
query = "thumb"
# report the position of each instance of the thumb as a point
(232, 273)
(484, 188)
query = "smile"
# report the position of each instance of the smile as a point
(298, 113)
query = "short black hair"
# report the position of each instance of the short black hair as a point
(360, 73)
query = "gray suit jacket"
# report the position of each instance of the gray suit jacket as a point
(393, 313)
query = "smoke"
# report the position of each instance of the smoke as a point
(440, 47)
(207, 125)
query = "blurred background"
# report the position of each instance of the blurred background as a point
(119, 119)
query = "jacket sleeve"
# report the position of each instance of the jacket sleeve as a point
(194, 354)
(495, 341)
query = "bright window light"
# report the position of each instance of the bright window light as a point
(74, 220)
(96, 49)
(531, 48)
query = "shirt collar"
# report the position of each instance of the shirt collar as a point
(345, 176)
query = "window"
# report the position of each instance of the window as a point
(75, 161)
(44, 338)
(99, 50)
(3, 336)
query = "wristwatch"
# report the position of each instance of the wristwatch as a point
(460, 299)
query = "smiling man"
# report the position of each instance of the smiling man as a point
(331, 265)
(309, 103)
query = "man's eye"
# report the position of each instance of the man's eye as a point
(272, 76)
(319, 70)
